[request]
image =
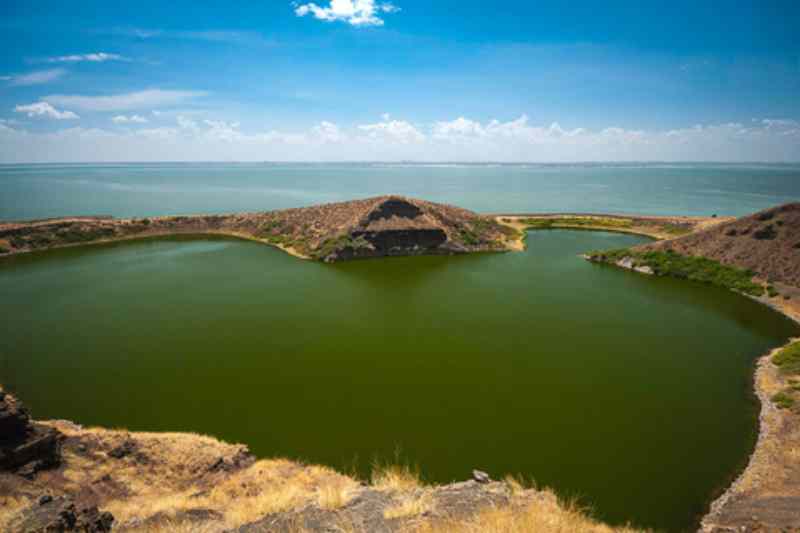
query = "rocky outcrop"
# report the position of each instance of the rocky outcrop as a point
(25, 447)
(60, 514)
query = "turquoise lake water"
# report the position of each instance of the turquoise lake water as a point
(124, 190)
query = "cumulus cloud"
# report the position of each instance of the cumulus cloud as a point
(121, 102)
(95, 57)
(458, 139)
(36, 77)
(354, 12)
(43, 109)
(124, 119)
(393, 130)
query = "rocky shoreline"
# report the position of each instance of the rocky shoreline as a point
(766, 495)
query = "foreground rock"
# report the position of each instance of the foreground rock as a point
(375, 227)
(25, 447)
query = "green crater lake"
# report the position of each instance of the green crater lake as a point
(631, 392)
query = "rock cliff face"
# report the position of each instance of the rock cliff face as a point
(25, 447)
(374, 227)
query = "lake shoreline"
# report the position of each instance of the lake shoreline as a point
(735, 506)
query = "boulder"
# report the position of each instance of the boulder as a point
(60, 515)
(25, 446)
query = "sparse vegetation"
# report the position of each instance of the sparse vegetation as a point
(554, 222)
(692, 268)
(772, 291)
(409, 505)
(676, 229)
(544, 515)
(395, 476)
(335, 495)
(788, 359)
(784, 399)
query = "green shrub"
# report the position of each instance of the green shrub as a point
(606, 222)
(4, 250)
(676, 229)
(692, 268)
(788, 359)
(469, 237)
(783, 400)
(772, 291)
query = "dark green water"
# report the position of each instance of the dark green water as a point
(629, 391)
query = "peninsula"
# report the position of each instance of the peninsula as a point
(374, 227)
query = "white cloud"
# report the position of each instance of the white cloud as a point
(354, 12)
(393, 130)
(328, 132)
(460, 139)
(123, 119)
(236, 37)
(43, 109)
(121, 102)
(95, 57)
(35, 78)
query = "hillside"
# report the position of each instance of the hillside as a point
(767, 243)
(374, 227)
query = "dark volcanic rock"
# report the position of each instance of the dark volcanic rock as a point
(14, 418)
(123, 450)
(61, 515)
(766, 233)
(25, 447)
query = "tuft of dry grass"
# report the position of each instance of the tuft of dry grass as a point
(546, 515)
(9, 507)
(336, 494)
(409, 505)
(395, 477)
(173, 526)
(517, 485)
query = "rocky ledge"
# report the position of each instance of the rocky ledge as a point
(374, 227)
(25, 447)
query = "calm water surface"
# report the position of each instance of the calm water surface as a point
(631, 392)
(125, 190)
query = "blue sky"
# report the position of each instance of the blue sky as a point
(410, 79)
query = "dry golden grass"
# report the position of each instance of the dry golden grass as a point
(9, 507)
(176, 478)
(542, 516)
(336, 494)
(395, 477)
(516, 485)
(264, 488)
(170, 526)
(410, 505)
